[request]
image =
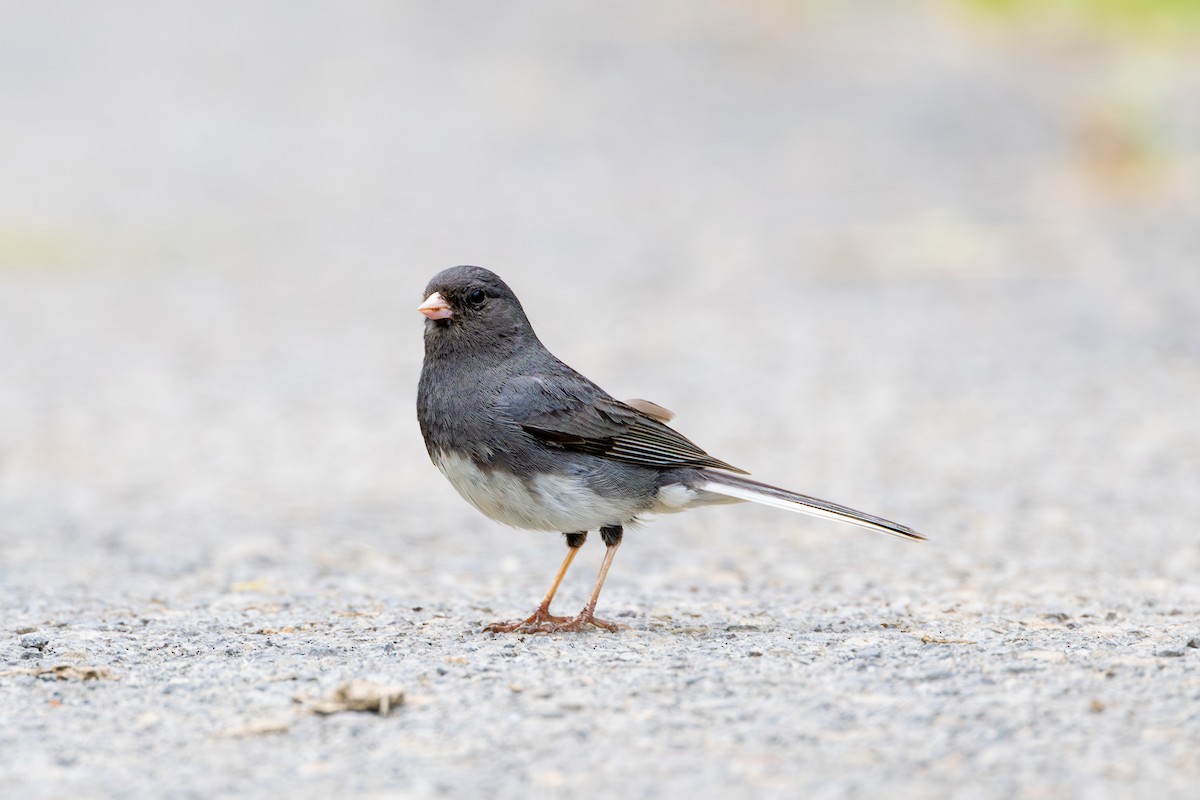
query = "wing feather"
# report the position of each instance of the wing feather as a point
(575, 414)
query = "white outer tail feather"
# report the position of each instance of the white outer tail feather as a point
(739, 488)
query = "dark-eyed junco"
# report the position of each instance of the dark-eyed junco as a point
(533, 444)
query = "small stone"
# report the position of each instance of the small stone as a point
(1194, 642)
(72, 672)
(65, 672)
(360, 695)
(257, 727)
(36, 641)
(1169, 654)
(147, 721)
(1017, 668)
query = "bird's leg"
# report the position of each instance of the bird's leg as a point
(542, 616)
(574, 542)
(612, 539)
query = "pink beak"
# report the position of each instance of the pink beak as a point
(435, 307)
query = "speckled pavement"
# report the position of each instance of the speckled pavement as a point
(891, 256)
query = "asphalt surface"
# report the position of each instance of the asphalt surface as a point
(891, 256)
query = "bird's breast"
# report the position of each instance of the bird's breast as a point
(542, 502)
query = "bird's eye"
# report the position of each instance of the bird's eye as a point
(476, 297)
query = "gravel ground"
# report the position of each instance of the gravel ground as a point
(883, 254)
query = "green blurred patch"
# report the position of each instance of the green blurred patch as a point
(35, 250)
(1133, 18)
(48, 251)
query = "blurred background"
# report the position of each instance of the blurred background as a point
(940, 260)
(935, 259)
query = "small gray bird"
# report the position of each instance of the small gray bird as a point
(533, 444)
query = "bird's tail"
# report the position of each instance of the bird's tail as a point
(740, 488)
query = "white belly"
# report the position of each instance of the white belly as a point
(546, 503)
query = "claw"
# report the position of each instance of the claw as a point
(543, 622)
(533, 624)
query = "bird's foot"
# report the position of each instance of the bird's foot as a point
(543, 621)
(579, 623)
(537, 623)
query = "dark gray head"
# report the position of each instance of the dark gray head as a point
(471, 307)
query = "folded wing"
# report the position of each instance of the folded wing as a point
(572, 413)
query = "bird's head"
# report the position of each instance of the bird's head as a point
(472, 305)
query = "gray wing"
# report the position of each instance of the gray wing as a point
(572, 413)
